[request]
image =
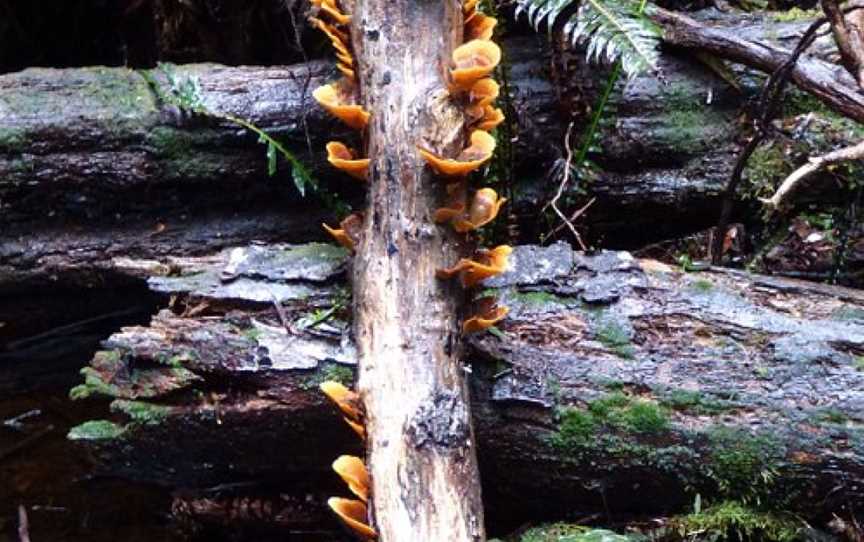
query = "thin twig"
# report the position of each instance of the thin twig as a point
(576, 214)
(814, 164)
(564, 182)
(23, 524)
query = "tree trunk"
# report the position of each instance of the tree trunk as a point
(420, 450)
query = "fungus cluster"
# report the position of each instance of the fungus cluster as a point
(471, 85)
(352, 470)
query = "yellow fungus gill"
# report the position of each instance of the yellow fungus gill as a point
(356, 427)
(352, 470)
(455, 207)
(473, 61)
(489, 313)
(484, 208)
(347, 400)
(341, 157)
(338, 38)
(336, 98)
(487, 264)
(331, 9)
(471, 158)
(492, 117)
(353, 513)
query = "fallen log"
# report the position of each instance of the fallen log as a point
(617, 386)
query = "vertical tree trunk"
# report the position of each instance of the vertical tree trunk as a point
(421, 448)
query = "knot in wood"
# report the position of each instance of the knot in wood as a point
(441, 421)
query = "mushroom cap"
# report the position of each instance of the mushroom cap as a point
(341, 237)
(347, 71)
(353, 513)
(347, 400)
(471, 272)
(338, 38)
(357, 427)
(484, 92)
(473, 61)
(334, 98)
(469, 6)
(484, 208)
(352, 470)
(471, 158)
(343, 158)
(485, 319)
(492, 117)
(480, 26)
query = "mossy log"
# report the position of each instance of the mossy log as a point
(95, 147)
(616, 387)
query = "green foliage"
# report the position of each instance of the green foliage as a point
(141, 412)
(331, 372)
(613, 336)
(744, 466)
(693, 402)
(186, 95)
(796, 14)
(611, 30)
(562, 532)
(733, 520)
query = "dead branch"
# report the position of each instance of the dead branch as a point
(814, 164)
(847, 32)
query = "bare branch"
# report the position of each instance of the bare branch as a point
(816, 163)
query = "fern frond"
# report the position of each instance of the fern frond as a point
(610, 30)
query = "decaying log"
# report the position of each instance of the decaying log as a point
(90, 145)
(619, 387)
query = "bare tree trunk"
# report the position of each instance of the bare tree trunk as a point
(421, 449)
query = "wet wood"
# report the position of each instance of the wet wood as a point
(750, 378)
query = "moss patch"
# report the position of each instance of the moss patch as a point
(337, 373)
(732, 520)
(615, 337)
(95, 430)
(141, 411)
(562, 532)
(693, 402)
(742, 465)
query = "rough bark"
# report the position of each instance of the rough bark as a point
(752, 376)
(421, 451)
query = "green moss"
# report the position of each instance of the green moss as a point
(832, 415)
(767, 165)
(252, 333)
(615, 411)
(536, 299)
(643, 417)
(702, 285)
(732, 520)
(93, 385)
(95, 430)
(858, 363)
(337, 373)
(577, 428)
(141, 411)
(13, 141)
(317, 251)
(742, 465)
(795, 14)
(693, 402)
(562, 532)
(615, 337)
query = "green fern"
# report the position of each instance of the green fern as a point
(610, 30)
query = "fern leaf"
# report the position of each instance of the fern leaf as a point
(610, 30)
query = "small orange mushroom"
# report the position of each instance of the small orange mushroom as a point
(484, 208)
(348, 235)
(338, 38)
(492, 117)
(347, 71)
(353, 513)
(343, 158)
(335, 98)
(480, 27)
(489, 314)
(471, 158)
(489, 263)
(347, 400)
(469, 6)
(484, 92)
(352, 470)
(357, 428)
(330, 8)
(473, 61)
(455, 208)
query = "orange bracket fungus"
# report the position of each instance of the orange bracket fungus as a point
(492, 117)
(484, 208)
(335, 99)
(353, 513)
(489, 263)
(480, 27)
(455, 208)
(477, 154)
(330, 8)
(489, 314)
(484, 92)
(473, 61)
(343, 158)
(348, 235)
(347, 401)
(352, 470)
